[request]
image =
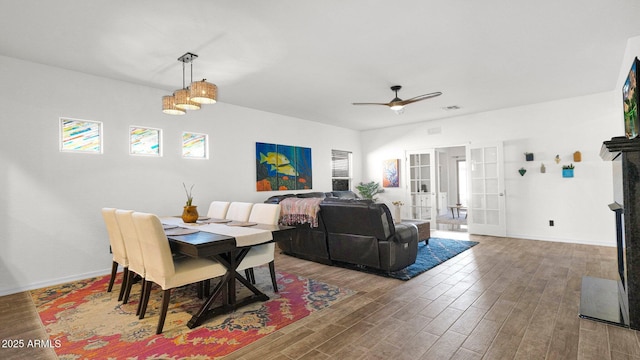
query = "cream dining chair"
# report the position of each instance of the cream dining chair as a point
(162, 269)
(134, 252)
(262, 254)
(218, 209)
(239, 211)
(117, 249)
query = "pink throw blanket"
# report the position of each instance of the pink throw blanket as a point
(300, 211)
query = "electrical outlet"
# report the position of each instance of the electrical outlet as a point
(550, 222)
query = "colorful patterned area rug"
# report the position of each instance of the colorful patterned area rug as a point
(86, 322)
(429, 256)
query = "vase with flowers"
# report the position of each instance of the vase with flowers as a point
(398, 211)
(190, 211)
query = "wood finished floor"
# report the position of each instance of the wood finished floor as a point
(503, 299)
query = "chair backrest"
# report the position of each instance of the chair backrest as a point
(131, 242)
(239, 211)
(115, 236)
(218, 209)
(156, 253)
(265, 214)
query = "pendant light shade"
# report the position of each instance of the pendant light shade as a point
(189, 98)
(183, 100)
(203, 92)
(169, 106)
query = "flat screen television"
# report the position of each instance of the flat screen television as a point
(631, 101)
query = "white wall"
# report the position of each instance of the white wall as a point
(50, 202)
(578, 205)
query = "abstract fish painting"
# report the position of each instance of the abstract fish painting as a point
(282, 167)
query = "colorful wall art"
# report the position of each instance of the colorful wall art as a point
(195, 146)
(282, 167)
(631, 101)
(145, 141)
(390, 176)
(80, 136)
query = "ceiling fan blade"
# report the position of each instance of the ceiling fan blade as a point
(387, 104)
(421, 97)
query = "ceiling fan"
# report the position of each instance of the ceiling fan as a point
(398, 104)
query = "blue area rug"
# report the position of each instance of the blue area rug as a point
(429, 256)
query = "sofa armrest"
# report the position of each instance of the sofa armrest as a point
(406, 233)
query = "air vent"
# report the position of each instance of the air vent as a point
(452, 107)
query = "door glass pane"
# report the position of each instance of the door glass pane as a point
(492, 186)
(476, 155)
(493, 217)
(491, 170)
(490, 154)
(492, 202)
(478, 201)
(478, 216)
(477, 170)
(477, 186)
(425, 172)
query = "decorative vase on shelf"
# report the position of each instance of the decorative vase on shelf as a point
(397, 214)
(190, 214)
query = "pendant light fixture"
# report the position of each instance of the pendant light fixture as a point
(189, 98)
(169, 106)
(204, 92)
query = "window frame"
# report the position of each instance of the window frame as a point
(339, 155)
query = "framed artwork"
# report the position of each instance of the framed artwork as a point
(145, 141)
(390, 176)
(195, 146)
(631, 101)
(283, 167)
(82, 136)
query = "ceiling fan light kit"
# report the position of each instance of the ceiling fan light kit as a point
(398, 105)
(189, 97)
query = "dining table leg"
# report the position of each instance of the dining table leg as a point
(227, 284)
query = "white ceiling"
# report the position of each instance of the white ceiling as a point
(312, 59)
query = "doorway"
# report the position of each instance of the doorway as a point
(452, 189)
(438, 187)
(437, 181)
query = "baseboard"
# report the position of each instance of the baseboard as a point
(562, 240)
(52, 282)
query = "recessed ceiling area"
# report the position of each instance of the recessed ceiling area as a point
(312, 60)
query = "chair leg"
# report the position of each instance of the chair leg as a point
(114, 271)
(127, 292)
(125, 275)
(272, 270)
(207, 288)
(166, 295)
(250, 275)
(144, 283)
(145, 299)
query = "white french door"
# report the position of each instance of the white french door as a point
(486, 213)
(422, 185)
